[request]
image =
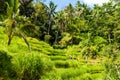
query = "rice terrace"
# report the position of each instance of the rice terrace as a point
(40, 41)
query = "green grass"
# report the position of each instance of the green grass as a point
(45, 62)
(31, 65)
(58, 57)
(81, 73)
(25, 64)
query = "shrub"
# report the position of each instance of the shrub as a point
(112, 69)
(31, 66)
(30, 30)
(57, 46)
(47, 38)
(5, 65)
(76, 40)
(66, 39)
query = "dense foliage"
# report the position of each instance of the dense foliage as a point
(63, 45)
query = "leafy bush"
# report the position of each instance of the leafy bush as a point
(31, 30)
(57, 46)
(76, 40)
(31, 66)
(66, 39)
(99, 40)
(5, 65)
(112, 69)
(47, 38)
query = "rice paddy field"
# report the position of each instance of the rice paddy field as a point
(44, 62)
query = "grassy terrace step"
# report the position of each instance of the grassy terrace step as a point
(66, 63)
(81, 73)
(76, 64)
(57, 52)
(58, 57)
(44, 48)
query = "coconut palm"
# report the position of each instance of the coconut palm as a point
(11, 22)
(51, 12)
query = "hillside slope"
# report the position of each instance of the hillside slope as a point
(43, 62)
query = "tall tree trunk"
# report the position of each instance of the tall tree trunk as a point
(49, 27)
(109, 37)
(56, 36)
(25, 40)
(10, 34)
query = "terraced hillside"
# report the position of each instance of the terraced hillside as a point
(43, 62)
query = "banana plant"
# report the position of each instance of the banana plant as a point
(11, 22)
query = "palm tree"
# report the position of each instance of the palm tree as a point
(61, 21)
(26, 7)
(11, 22)
(60, 24)
(78, 9)
(51, 12)
(69, 11)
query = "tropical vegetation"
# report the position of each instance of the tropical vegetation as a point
(75, 43)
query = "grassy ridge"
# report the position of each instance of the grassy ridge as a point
(43, 62)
